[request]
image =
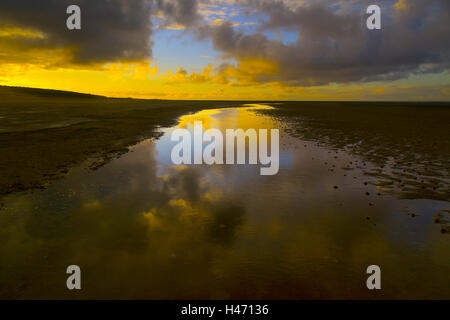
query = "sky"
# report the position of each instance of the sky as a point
(230, 49)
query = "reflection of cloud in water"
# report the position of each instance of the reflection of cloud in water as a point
(141, 228)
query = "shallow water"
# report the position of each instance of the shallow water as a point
(141, 227)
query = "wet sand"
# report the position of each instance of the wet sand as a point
(406, 143)
(43, 133)
(140, 227)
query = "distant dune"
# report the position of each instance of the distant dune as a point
(48, 93)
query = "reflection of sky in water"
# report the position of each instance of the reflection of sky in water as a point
(221, 119)
(142, 228)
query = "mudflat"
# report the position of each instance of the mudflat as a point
(407, 142)
(227, 232)
(44, 132)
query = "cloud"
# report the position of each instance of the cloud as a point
(328, 40)
(179, 12)
(111, 29)
(182, 75)
(334, 46)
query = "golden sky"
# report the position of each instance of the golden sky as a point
(240, 50)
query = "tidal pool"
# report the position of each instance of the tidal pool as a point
(141, 227)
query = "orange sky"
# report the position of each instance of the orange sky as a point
(202, 73)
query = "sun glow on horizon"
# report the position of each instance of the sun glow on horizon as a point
(222, 54)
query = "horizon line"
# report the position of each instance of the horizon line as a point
(230, 100)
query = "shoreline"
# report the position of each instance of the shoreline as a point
(42, 136)
(44, 133)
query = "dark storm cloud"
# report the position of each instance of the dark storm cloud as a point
(182, 12)
(334, 44)
(111, 29)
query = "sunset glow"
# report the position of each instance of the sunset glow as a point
(224, 49)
